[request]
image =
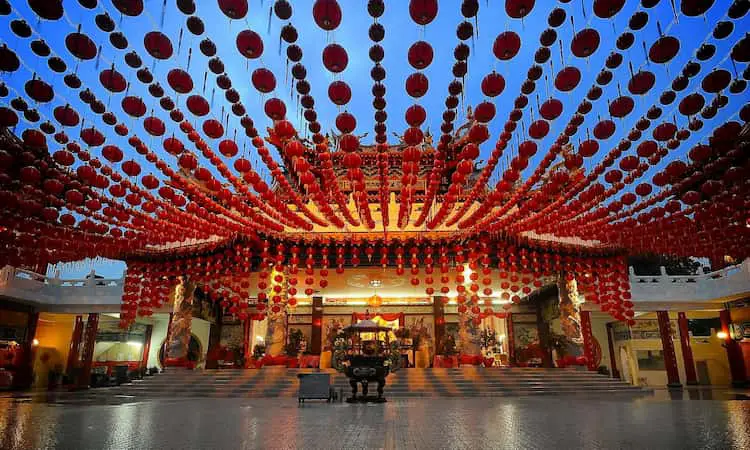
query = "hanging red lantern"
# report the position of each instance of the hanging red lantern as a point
(621, 106)
(131, 168)
(567, 79)
(415, 115)
(423, 11)
(228, 148)
(493, 84)
(518, 9)
(506, 46)
(346, 122)
(263, 80)
(275, 109)
(112, 153)
(420, 55)
(92, 137)
(249, 44)
(234, 9)
(130, 8)
(81, 46)
(66, 116)
(327, 14)
(585, 43)
(664, 49)
(154, 126)
(417, 85)
(641, 82)
(213, 128)
(158, 45)
(133, 106)
(339, 93)
(335, 58)
(179, 80)
(198, 105)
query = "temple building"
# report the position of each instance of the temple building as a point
(171, 201)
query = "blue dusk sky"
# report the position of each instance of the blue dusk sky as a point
(401, 33)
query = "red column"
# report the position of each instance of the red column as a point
(146, 346)
(588, 340)
(687, 350)
(25, 374)
(87, 353)
(316, 332)
(612, 356)
(511, 340)
(75, 346)
(734, 352)
(670, 359)
(247, 341)
(438, 320)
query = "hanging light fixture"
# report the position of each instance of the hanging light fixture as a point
(375, 301)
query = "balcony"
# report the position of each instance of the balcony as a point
(704, 291)
(63, 295)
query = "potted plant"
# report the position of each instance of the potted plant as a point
(293, 345)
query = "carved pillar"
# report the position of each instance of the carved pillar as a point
(670, 359)
(511, 339)
(438, 314)
(75, 346)
(316, 332)
(570, 315)
(734, 352)
(687, 351)
(612, 356)
(176, 354)
(87, 352)
(588, 340)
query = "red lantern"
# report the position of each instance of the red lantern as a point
(263, 80)
(335, 58)
(250, 44)
(339, 93)
(417, 85)
(420, 55)
(423, 11)
(506, 46)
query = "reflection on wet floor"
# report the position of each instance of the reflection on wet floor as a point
(700, 393)
(105, 397)
(78, 422)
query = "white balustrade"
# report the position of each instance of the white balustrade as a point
(722, 285)
(726, 284)
(30, 286)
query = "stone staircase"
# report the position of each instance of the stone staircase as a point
(461, 382)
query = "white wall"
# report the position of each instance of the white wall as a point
(201, 329)
(158, 334)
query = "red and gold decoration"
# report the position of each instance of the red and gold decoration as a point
(256, 199)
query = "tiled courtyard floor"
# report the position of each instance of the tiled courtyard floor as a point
(515, 423)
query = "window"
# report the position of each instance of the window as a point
(650, 359)
(703, 327)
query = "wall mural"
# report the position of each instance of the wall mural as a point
(526, 341)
